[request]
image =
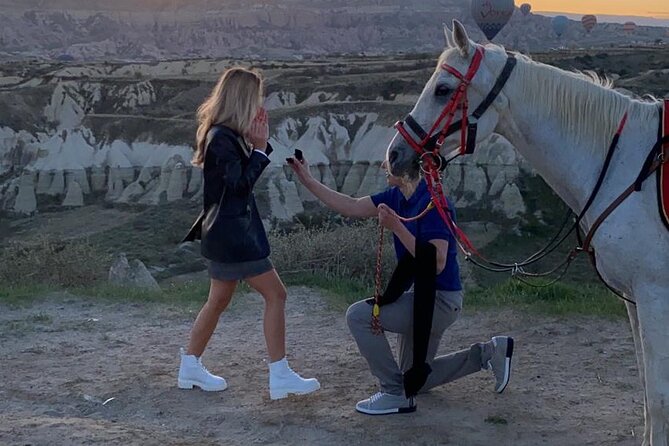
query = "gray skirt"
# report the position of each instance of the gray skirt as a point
(239, 270)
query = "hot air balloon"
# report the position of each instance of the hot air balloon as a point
(589, 21)
(525, 8)
(629, 27)
(560, 24)
(492, 15)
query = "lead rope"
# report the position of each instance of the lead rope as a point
(377, 328)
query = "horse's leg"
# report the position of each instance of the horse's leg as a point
(638, 348)
(653, 313)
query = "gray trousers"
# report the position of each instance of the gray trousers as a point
(398, 318)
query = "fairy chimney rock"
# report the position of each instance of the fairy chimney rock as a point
(26, 202)
(74, 196)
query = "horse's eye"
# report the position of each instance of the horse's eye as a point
(442, 90)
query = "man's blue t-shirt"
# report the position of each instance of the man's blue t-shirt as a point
(430, 227)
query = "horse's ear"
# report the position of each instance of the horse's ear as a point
(448, 35)
(461, 39)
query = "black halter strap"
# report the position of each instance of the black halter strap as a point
(503, 78)
(472, 128)
(415, 127)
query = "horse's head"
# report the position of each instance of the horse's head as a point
(439, 92)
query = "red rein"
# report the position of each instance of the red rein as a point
(459, 101)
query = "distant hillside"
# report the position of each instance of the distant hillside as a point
(278, 29)
(606, 18)
(200, 5)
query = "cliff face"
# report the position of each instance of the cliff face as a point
(286, 29)
(75, 134)
(122, 133)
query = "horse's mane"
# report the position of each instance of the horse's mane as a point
(583, 103)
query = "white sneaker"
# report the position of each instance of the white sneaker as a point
(385, 404)
(193, 374)
(500, 361)
(283, 381)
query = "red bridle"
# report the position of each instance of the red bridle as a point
(457, 102)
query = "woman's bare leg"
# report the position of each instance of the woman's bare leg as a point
(220, 294)
(269, 285)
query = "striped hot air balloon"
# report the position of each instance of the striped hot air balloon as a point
(629, 27)
(492, 15)
(525, 8)
(589, 22)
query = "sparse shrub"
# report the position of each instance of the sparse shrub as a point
(52, 261)
(346, 251)
(496, 419)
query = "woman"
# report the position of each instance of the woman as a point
(409, 197)
(233, 151)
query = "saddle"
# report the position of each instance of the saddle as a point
(663, 173)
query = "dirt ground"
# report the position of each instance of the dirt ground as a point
(574, 381)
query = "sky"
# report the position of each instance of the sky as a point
(643, 8)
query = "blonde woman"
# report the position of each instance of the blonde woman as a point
(233, 151)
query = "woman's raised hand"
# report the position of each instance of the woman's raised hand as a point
(259, 132)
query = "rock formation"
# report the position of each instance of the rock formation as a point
(75, 195)
(26, 201)
(511, 201)
(345, 153)
(131, 274)
(96, 139)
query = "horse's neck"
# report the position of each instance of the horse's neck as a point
(569, 168)
(566, 168)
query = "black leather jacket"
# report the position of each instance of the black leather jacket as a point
(236, 233)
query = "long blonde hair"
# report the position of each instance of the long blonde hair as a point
(233, 102)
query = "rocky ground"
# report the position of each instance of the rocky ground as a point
(83, 371)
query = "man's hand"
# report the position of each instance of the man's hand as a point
(301, 169)
(388, 218)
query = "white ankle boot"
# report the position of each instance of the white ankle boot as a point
(193, 374)
(283, 381)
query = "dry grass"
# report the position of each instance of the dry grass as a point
(52, 261)
(342, 251)
(338, 258)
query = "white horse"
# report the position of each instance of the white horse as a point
(562, 123)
